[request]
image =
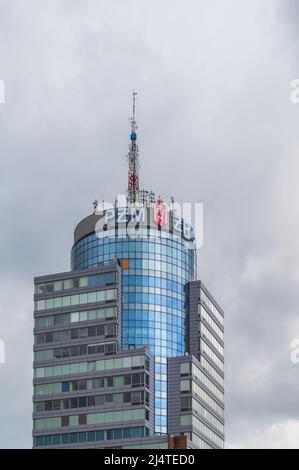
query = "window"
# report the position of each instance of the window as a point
(185, 368)
(136, 380)
(73, 438)
(127, 397)
(82, 436)
(56, 405)
(65, 386)
(48, 406)
(65, 421)
(185, 403)
(82, 419)
(185, 386)
(65, 404)
(82, 402)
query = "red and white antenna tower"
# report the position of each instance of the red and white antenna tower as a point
(133, 159)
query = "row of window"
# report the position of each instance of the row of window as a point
(219, 363)
(187, 404)
(156, 262)
(91, 436)
(183, 275)
(204, 298)
(212, 371)
(159, 331)
(169, 325)
(201, 410)
(200, 443)
(143, 298)
(157, 346)
(155, 237)
(200, 393)
(107, 417)
(204, 314)
(107, 330)
(106, 313)
(153, 291)
(92, 366)
(200, 375)
(107, 295)
(133, 398)
(206, 333)
(139, 249)
(185, 387)
(201, 427)
(154, 313)
(94, 280)
(158, 445)
(75, 351)
(137, 379)
(153, 282)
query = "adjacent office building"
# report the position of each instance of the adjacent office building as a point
(128, 349)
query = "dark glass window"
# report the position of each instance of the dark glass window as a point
(56, 439)
(126, 433)
(82, 384)
(82, 350)
(48, 440)
(65, 420)
(39, 406)
(73, 437)
(49, 337)
(99, 400)
(74, 402)
(65, 404)
(136, 380)
(92, 331)
(56, 405)
(127, 379)
(82, 419)
(91, 435)
(82, 402)
(48, 406)
(74, 334)
(39, 339)
(109, 381)
(118, 434)
(109, 330)
(100, 435)
(109, 398)
(185, 403)
(76, 282)
(127, 397)
(39, 441)
(74, 386)
(91, 401)
(65, 439)
(100, 330)
(92, 349)
(135, 397)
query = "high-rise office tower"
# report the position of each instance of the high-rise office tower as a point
(113, 334)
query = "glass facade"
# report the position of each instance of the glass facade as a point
(155, 270)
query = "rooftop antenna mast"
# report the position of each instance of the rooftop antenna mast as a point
(133, 159)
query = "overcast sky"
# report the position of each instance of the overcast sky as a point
(216, 125)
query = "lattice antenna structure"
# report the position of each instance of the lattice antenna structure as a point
(133, 160)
